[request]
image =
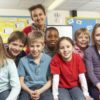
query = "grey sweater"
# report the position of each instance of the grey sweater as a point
(92, 59)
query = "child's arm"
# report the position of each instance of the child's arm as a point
(25, 87)
(84, 86)
(55, 86)
(14, 81)
(45, 87)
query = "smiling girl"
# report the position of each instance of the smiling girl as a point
(68, 70)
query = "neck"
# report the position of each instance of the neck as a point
(98, 47)
(42, 27)
(52, 48)
(67, 59)
(37, 59)
(82, 48)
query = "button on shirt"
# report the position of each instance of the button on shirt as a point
(34, 73)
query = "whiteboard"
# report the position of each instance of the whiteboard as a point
(64, 30)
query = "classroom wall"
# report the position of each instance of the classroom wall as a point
(54, 17)
(14, 12)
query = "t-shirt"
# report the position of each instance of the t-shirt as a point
(33, 73)
(27, 29)
(68, 70)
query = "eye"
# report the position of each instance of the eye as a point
(38, 45)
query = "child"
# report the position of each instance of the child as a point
(34, 72)
(68, 69)
(92, 59)
(51, 38)
(9, 81)
(16, 43)
(82, 38)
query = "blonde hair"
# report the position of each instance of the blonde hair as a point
(34, 36)
(81, 31)
(2, 53)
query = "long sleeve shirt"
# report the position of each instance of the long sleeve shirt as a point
(9, 79)
(92, 59)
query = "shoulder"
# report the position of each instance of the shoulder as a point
(90, 49)
(57, 58)
(9, 61)
(23, 59)
(10, 64)
(76, 56)
(27, 29)
(45, 56)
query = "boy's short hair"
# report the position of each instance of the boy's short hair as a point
(34, 36)
(35, 7)
(81, 31)
(52, 28)
(17, 35)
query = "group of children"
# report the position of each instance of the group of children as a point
(54, 67)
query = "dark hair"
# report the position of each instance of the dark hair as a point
(64, 38)
(17, 35)
(93, 32)
(35, 7)
(51, 28)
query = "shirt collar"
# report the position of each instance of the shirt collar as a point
(31, 59)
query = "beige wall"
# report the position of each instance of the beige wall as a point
(54, 17)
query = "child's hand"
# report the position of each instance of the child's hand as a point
(36, 95)
(87, 98)
(31, 93)
(56, 97)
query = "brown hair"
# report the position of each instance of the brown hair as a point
(64, 38)
(35, 35)
(2, 53)
(17, 35)
(81, 31)
(35, 7)
(93, 32)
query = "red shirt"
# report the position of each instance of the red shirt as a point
(27, 29)
(68, 70)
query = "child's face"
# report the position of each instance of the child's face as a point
(36, 48)
(38, 16)
(16, 47)
(82, 40)
(97, 36)
(52, 38)
(66, 50)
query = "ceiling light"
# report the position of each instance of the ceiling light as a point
(55, 4)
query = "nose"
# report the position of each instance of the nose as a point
(54, 39)
(83, 38)
(17, 48)
(38, 17)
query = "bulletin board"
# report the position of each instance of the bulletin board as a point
(8, 24)
(82, 23)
